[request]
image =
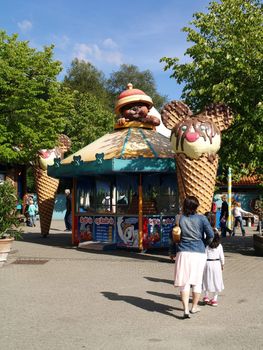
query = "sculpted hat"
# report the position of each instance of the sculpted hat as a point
(132, 95)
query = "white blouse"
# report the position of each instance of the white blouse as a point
(216, 253)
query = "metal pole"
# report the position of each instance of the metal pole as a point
(229, 197)
(140, 207)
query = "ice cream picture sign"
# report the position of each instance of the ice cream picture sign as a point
(196, 139)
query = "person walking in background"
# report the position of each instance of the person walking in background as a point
(213, 277)
(224, 217)
(25, 206)
(68, 211)
(32, 211)
(190, 256)
(237, 214)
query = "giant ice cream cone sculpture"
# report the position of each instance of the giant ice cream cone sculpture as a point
(196, 140)
(47, 186)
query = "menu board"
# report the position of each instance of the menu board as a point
(167, 225)
(104, 228)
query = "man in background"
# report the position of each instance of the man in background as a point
(67, 217)
(224, 217)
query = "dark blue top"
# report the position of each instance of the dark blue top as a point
(195, 231)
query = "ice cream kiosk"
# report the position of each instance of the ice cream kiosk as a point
(124, 184)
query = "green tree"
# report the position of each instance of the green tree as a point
(84, 77)
(89, 121)
(9, 220)
(227, 66)
(33, 105)
(143, 80)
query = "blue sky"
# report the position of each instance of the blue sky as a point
(106, 33)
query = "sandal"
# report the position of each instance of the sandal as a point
(194, 311)
(212, 302)
(206, 300)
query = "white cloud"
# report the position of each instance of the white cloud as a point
(82, 51)
(109, 44)
(114, 58)
(96, 54)
(25, 25)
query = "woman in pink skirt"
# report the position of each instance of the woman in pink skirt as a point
(191, 255)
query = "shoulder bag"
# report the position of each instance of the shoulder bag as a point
(176, 232)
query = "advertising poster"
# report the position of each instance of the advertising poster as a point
(167, 224)
(104, 228)
(85, 228)
(75, 227)
(153, 230)
(127, 231)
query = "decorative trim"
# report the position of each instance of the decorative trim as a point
(134, 124)
(125, 142)
(99, 158)
(148, 143)
(57, 162)
(77, 161)
(138, 165)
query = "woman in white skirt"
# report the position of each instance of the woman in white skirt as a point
(213, 277)
(191, 257)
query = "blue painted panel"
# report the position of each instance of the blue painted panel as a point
(60, 207)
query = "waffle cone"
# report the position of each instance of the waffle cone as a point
(196, 177)
(46, 187)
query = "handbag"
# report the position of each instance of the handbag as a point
(223, 220)
(176, 232)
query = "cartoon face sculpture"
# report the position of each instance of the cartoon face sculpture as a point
(196, 135)
(135, 111)
(135, 105)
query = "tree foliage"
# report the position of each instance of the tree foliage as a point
(227, 66)
(143, 80)
(89, 121)
(32, 103)
(85, 78)
(8, 218)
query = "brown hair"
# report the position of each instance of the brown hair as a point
(216, 241)
(190, 205)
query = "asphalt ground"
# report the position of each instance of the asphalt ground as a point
(54, 296)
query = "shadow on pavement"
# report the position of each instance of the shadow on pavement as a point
(145, 304)
(166, 296)
(158, 280)
(239, 245)
(62, 240)
(58, 238)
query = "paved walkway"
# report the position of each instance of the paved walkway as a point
(55, 297)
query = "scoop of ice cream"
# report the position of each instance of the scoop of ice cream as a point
(46, 157)
(195, 136)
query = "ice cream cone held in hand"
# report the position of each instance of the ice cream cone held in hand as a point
(196, 140)
(47, 186)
